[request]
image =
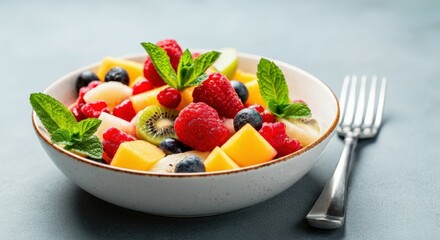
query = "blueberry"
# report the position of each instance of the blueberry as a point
(172, 146)
(190, 164)
(248, 115)
(240, 89)
(117, 74)
(84, 79)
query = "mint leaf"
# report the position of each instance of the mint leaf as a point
(185, 68)
(271, 82)
(204, 61)
(275, 92)
(87, 127)
(297, 110)
(161, 62)
(53, 114)
(62, 136)
(198, 80)
(92, 147)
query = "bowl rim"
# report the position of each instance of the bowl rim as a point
(45, 137)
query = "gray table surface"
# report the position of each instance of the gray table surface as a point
(394, 189)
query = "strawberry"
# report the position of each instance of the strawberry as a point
(217, 92)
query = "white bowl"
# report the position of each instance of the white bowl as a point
(198, 194)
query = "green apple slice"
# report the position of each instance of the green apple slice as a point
(227, 63)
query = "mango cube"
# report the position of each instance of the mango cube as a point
(187, 97)
(137, 155)
(254, 94)
(145, 99)
(134, 69)
(247, 147)
(244, 77)
(219, 161)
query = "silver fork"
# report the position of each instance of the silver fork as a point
(356, 122)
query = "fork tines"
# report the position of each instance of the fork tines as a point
(359, 114)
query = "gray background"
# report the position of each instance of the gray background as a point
(394, 191)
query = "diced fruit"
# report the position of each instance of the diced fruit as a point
(187, 98)
(227, 63)
(248, 116)
(84, 79)
(108, 121)
(190, 164)
(134, 69)
(142, 86)
(217, 92)
(173, 146)
(254, 94)
(305, 130)
(169, 97)
(199, 126)
(241, 90)
(117, 74)
(155, 124)
(84, 90)
(168, 163)
(244, 77)
(113, 93)
(137, 155)
(219, 161)
(94, 109)
(143, 100)
(124, 110)
(229, 123)
(275, 134)
(113, 137)
(247, 147)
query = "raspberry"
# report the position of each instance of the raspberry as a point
(174, 52)
(94, 109)
(275, 134)
(290, 146)
(142, 86)
(113, 137)
(169, 97)
(125, 110)
(76, 111)
(199, 126)
(267, 116)
(217, 92)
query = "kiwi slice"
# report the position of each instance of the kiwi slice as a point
(156, 123)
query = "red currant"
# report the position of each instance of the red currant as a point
(267, 116)
(169, 97)
(142, 86)
(257, 107)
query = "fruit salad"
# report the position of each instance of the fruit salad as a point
(179, 112)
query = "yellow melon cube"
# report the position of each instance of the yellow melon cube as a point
(254, 94)
(219, 161)
(134, 69)
(243, 77)
(187, 97)
(247, 147)
(145, 99)
(137, 155)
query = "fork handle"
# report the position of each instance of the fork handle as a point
(329, 210)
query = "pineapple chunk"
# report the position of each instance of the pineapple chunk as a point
(137, 155)
(219, 161)
(254, 94)
(134, 69)
(247, 147)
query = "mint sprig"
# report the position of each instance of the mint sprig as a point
(190, 72)
(275, 92)
(63, 127)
